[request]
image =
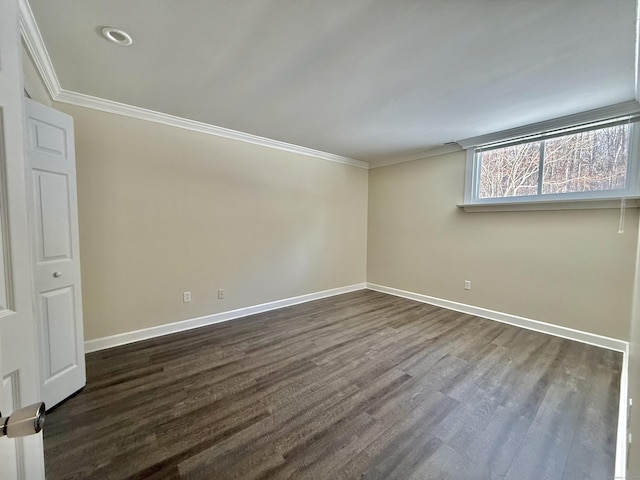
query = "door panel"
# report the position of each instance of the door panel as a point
(20, 458)
(49, 139)
(53, 224)
(58, 319)
(51, 157)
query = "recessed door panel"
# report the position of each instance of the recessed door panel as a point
(53, 223)
(57, 313)
(49, 139)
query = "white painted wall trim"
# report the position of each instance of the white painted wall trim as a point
(621, 437)
(161, 330)
(564, 332)
(35, 44)
(578, 204)
(117, 108)
(555, 330)
(548, 328)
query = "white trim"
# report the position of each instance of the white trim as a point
(555, 330)
(578, 204)
(618, 110)
(555, 201)
(161, 330)
(529, 324)
(563, 332)
(35, 44)
(38, 50)
(621, 437)
(118, 108)
(470, 176)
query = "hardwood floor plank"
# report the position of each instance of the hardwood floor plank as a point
(506, 432)
(587, 457)
(404, 440)
(545, 448)
(358, 386)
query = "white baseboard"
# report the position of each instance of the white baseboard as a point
(556, 330)
(161, 330)
(621, 437)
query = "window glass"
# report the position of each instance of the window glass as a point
(576, 165)
(510, 171)
(587, 161)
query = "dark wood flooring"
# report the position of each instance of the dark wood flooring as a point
(358, 386)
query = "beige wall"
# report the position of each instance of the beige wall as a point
(165, 210)
(569, 268)
(198, 202)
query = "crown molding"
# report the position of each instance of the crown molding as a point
(33, 40)
(109, 106)
(430, 152)
(35, 44)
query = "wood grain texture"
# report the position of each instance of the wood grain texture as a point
(359, 386)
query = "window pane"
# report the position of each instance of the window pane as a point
(510, 171)
(587, 161)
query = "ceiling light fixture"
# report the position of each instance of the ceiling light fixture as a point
(117, 36)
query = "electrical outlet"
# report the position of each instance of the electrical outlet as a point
(467, 284)
(186, 297)
(220, 293)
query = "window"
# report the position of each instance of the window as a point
(588, 162)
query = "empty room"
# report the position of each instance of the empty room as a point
(301, 239)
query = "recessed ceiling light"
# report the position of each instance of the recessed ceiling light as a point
(117, 36)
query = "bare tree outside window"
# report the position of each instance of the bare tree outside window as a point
(594, 160)
(510, 171)
(587, 161)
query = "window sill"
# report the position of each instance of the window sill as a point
(583, 204)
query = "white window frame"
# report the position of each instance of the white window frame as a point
(632, 189)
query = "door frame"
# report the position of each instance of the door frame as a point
(19, 382)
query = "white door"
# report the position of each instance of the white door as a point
(19, 458)
(56, 256)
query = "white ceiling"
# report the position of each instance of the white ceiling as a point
(365, 79)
